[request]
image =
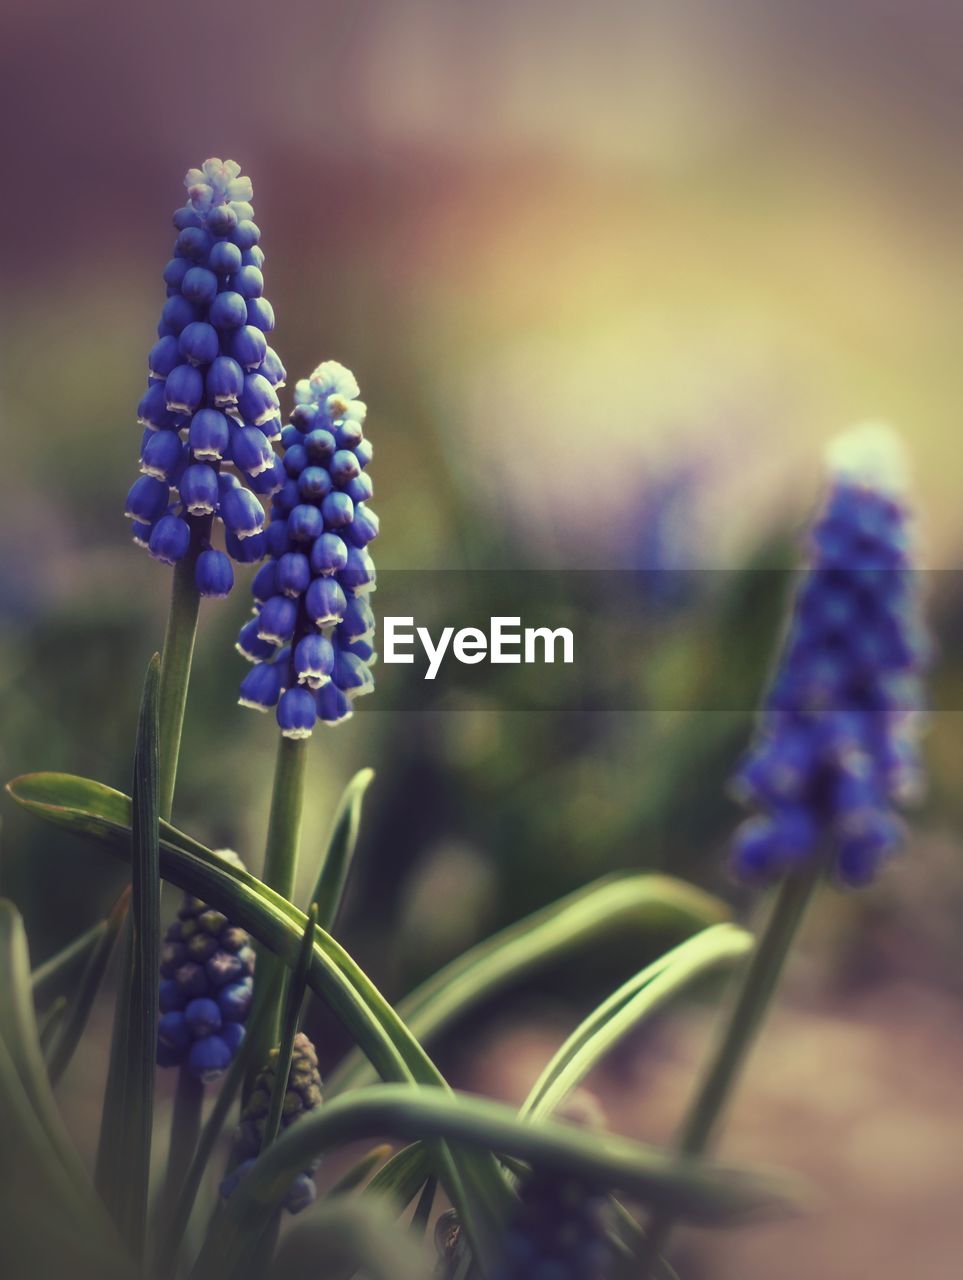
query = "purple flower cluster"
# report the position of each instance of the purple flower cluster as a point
(310, 638)
(211, 397)
(207, 967)
(558, 1232)
(836, 746)
(303, 1094)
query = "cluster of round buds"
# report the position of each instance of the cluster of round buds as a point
(211, 398)
(558, 1232)
(207, 967)
(836, 747)
(302, 1095)
(310, 638)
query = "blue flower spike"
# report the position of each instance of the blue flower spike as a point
(302, 1096)
(836, 746)
(211, 399)
(313, 619)
(207, 967)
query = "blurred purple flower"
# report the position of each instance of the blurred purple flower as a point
(836, 746)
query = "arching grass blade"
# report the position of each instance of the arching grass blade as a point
(82, 1001)
(291, 1021)
(333, 874)
(702, 1192)
(65, 963)
(591, 917)
(719, 947)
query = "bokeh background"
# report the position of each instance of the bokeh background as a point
(610, 276)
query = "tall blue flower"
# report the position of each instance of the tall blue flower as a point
(310, 639)
(211, 399)
(207, 967)
(836, 746)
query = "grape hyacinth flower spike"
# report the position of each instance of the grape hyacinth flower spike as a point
(835, 749)
(207, 967)
(302, 1096)
(310, 639)
(211, 398)
(836, 745)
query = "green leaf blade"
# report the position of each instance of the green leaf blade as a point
(66, 962)
(82, 1000)
(92, 809)
(145, 921)
(342, 842)
(719, 947)
(291, 1021)
(699, 1191)
(583, 919)
(127, 1125)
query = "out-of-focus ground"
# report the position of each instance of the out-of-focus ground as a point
(610, 278)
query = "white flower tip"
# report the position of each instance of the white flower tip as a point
(331, 377)
(871, 454)
(229, 855)
(296, 732)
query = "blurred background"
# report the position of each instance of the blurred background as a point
(610, 278)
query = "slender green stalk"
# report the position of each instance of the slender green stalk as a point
(185, 1129)
(284, 824)
(175, 675)
(176, 672)
(280, 873)
(184, 1192)
(704, 1117)
(66, 962)
(293, 1004)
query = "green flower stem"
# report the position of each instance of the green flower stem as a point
(176, 671)
(704, 1117)
(175, 675)
(280, 873)
(284, 825)
(185, 1129)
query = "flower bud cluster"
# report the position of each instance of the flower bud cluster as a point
(302, 1095)
(559, 1230)
(310, 638)
(211, 398)
(836, 747)
(207, 967)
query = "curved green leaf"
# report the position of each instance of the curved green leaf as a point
(696, 1190)
(29, 1114)
(403, 1175)
(139, 987)
(48, 1225)
(67, 961)
(721, 946)
(48, 1024)
(592, 916)
(333, 874)
(89, 808)
(360, 1172)
(293, 1001)
(82, 1001)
